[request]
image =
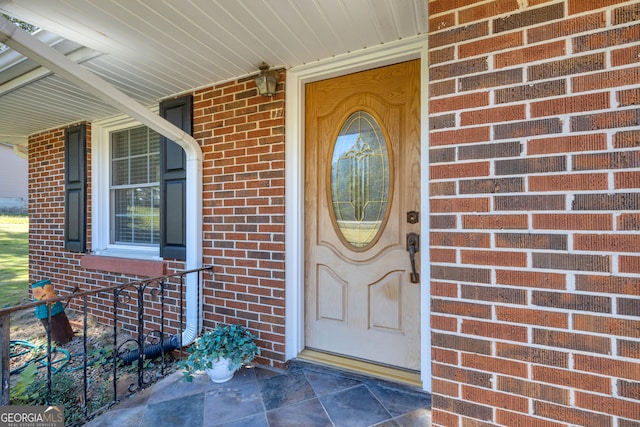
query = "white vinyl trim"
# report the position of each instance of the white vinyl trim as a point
(425, 273)
(387, 54)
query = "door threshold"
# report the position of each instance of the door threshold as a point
(394, 374)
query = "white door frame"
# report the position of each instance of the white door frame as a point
(387, 54)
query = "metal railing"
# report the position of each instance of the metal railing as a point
(146, 318)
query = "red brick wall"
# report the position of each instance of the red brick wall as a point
(242, 139)
(535, 202)
(47, 257)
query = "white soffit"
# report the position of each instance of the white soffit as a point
(152, 49)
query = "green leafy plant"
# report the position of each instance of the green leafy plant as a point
(31, 390)
(233, 342)
(22, 393)
(100, 356)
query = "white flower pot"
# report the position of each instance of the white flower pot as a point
(220, 372)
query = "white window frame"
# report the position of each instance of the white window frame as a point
(100, 192)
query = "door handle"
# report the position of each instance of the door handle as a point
(413, 246)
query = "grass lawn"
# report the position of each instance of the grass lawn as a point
(14, 253)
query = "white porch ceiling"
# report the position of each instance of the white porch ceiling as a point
(152, 49)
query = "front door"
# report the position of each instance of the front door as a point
(362, 204)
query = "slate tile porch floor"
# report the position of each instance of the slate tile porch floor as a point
(305, 395)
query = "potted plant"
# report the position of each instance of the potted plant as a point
(220, 352)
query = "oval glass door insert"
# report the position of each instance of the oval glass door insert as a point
(360, 180)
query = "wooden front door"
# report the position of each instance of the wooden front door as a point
(362, 204)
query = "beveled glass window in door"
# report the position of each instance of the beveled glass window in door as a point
(360, 180)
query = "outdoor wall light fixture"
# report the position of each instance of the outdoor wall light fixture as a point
(266, 81)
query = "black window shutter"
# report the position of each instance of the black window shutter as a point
(75, 180)
(173, 180)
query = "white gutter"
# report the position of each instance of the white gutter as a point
(55, 61)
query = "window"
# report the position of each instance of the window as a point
(125, 193)
(135, 187)
(138, 186)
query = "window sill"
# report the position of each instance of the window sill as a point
(125, 265)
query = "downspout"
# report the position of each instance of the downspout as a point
(23, 42)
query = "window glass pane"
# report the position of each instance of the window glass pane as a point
(136, 216)
(154, 140)
(138, 141)
(119, 144)
(139, 170)
(360, 179)
(120, 172)
(123, 226)
(135, 187)
(154, 168)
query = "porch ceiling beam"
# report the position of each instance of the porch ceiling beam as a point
(29, 46)
(78, 56)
